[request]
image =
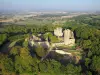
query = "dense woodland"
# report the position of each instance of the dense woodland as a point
(19, 58)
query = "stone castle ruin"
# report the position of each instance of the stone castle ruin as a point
(36, 41)
(58, 32)
(68, 38)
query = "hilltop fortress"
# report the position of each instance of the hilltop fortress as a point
(67, 37)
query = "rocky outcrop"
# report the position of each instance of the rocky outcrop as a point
(62, 52)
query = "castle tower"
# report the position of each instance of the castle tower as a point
(69, 37)
(66, 36)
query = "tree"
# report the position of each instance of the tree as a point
(47, 35)
(15, 50)
(50, 37)
(89, 73)
(42, 67)
(6, 65)
(3, 38)
(87, 62)
(84, 32)
(25, 44)
(22, 59)
(72, 70)
(86, 44)
(55, 65)
(50, 66)
(95, 66)
(40, 51)
(95, 49)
